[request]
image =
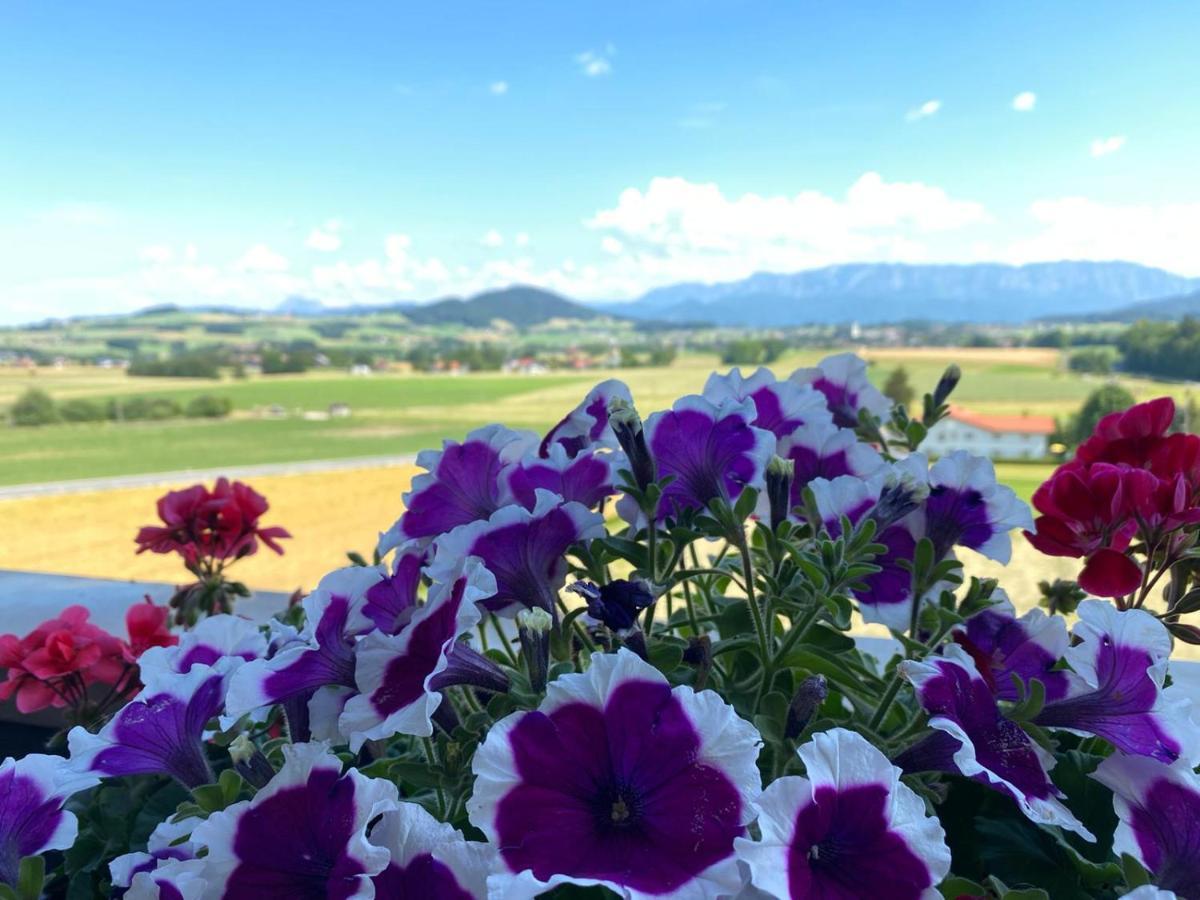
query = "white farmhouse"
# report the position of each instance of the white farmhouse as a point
(996, 437)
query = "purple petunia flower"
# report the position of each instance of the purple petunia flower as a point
(1159, 811)
(711, 451)
(461, 484)
(617, 780)
(886, 595)
(822, 450)
(213, 638)
(1001, 645)
(967, 508)
(842, 378)
(322, 658)
(588, 477)
(399, 676)
(170, 841)
(779, 406)
(973, 738)
(430, 859)
(32, 819)
(1115, 689)
(160, 732)
(303, 835)
(392, 601)
(586, 426)
(849, 829)
(523, 549)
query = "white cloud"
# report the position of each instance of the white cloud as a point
(610, 244)
(678, 229)
(1105, 146)
(522, 239)
(924, 111)
(261, 258)
(325, 238)
(1024, 101)
(594, 63)
(1079, 228)
(492, 239)
(499, 88)
(160, 254)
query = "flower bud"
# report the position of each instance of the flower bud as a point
(467, 666)
(699, 654)
(616, 604)
(533, 630)
(779, 476)
(249, 762)
(902, 493)
(946, 384)
(808, 699)
(627, 426)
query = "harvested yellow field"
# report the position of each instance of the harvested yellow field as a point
(328, 513)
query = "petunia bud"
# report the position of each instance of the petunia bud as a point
(533, 630)
(780, 474)
(627, 426)
(699, 654)
(249, 762)
(946, 384)
(467, 666)
(616, 604)
(807, 700)
(899, 496)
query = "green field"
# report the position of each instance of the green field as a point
(394, 414)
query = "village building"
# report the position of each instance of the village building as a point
(993, 436)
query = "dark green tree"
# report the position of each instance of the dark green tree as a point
(1109, 399)
(898, 389)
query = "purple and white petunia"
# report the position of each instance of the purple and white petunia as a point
(391, 602)
(524, 549)
(1002, 645)
(399, 676)
(973, 738)
(1115, 689)
(1158, 808)
(181, 879)
(967, 508)
(303, 835)
(843, 380)
(213, 638)
(850, 828)
(588, 477)
(161, 731)
(461, 484)
(170, 841)
(710, 450)
(33, 790)
(617, 780)
(886, 595)
(322, 658)
(586, 426)
(822, 450)
(779, 406)
(429, 859)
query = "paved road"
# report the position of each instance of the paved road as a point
(156, 479)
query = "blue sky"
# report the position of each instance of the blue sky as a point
(241, 152)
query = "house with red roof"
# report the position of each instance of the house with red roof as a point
(996, 437)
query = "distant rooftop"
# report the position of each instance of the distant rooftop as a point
(1004, 424)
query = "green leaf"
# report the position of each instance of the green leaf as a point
(665, 656)
(209, 797)
(31, 876)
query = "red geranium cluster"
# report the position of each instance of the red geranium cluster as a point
(1124, 502)
(210, 528)
(60, 661)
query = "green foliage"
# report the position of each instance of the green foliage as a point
(185, 364)
(82, 409)
(1168, 349)
(1094, 361)
(898, 389)
(208, 406)
(144, 409)
(34, 407)
(752, 351)
(278, 362)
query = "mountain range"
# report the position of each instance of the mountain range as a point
(893, 292)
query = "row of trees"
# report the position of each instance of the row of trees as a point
(36, 407)
(1167, 349)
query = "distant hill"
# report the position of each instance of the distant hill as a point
(522, 306)
(891, 292)
(1167, 308)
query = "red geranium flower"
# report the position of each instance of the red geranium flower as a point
(210, 527)
(1129, 437)
(148, 626)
